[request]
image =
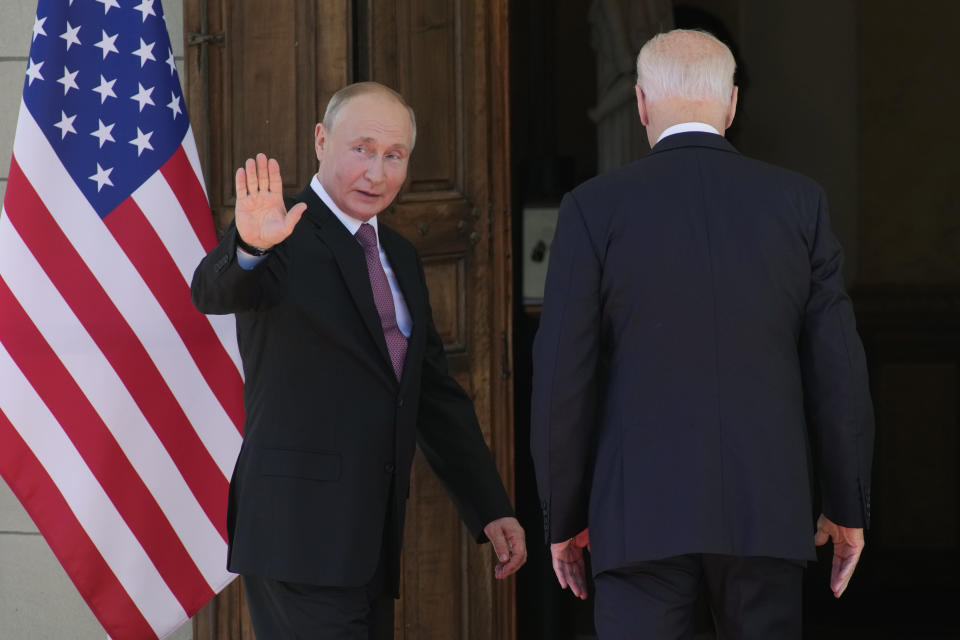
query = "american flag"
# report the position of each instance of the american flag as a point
(120, 405)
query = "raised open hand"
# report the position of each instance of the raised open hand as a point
(262, 220)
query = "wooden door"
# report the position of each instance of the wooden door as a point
(258, 76)
(446, 58)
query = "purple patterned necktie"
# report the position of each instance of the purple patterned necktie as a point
(383, 297)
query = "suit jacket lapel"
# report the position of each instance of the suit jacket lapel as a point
(353, 266)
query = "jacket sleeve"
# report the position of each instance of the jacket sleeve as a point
(221, 286)
(565, 386)
(450, 438)
(836, 390)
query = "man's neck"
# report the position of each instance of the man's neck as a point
(685, 127)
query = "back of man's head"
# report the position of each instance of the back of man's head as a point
(684, 64)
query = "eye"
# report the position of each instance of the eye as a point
(395, 155)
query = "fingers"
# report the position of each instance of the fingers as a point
(842, 571)
(293, 217)
(578, 582)
(505, 570)
(241, 181)
(572, 575)
(252, 185)
(821, 537)
(499, 542)
(259, 175)
(845, 559)
(569, 567)
(560, 573)
(848, 544)
(825, 529)
(506, 536)
(516, 561)
(263, 174)
(275, 183)
(518, 553)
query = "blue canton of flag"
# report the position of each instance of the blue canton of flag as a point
(102, 84)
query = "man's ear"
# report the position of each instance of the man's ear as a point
(642, 106)
(732, 110)
(319, 137)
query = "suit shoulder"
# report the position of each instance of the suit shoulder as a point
(626, 182)
(660, 170)
(396, 241)
(610, 182)
(780, 174)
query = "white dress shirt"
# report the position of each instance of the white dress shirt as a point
(684, 127)
(404, 321)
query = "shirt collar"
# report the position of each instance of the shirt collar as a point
(352, 224)
(685, 127)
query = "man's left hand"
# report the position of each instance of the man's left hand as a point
(509, 544)
(847, 546)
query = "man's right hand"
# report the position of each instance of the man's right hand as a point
(262, 220)
(847, 546)
(568, 563)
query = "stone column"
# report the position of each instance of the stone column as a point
(619, 29)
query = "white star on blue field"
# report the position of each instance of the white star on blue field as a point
(102, 84)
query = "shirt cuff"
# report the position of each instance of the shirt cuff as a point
(247, 261)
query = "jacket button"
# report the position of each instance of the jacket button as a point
(399, 402)
(388, 467)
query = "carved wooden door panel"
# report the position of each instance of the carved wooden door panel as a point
(258, 76)
(448, 58)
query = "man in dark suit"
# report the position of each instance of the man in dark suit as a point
(344, 372)
(695, 343)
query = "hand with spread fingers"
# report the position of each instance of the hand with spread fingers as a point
(261, 218)
(568, 563)
(847, 546)
(507, 537)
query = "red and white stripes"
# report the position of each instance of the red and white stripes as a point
(120, 404)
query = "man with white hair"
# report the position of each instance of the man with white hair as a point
(696, 346)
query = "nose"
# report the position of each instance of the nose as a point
(374, 172)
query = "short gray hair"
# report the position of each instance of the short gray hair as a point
(351, 91)
(693, 65)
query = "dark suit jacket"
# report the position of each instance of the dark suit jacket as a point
(694, 308)
(324, 470)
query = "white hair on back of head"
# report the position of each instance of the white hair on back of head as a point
(687, 64)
